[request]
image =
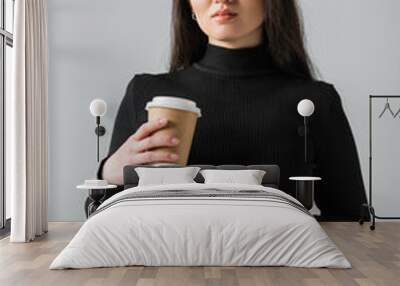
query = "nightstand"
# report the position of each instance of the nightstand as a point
(96, 194)
(305, 193)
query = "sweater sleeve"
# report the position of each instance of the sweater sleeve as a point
(125, 125)
(341, 191)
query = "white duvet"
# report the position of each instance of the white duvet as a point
(200, 231)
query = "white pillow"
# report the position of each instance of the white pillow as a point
(159, 176)
(249, 177)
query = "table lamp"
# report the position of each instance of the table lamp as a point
(305, 108)
(98, 108)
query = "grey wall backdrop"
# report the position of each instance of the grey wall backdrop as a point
(97, 46)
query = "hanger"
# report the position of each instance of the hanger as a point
(397, 113)
(387, 106)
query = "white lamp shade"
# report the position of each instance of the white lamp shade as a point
(98, 107)
(305, 107)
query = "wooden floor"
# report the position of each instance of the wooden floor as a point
(375, 256)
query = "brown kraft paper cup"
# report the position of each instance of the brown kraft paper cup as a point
(181, 124)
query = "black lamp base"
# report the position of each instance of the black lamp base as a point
(100, 130)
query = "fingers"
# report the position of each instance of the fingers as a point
(154, 156)
(155, 141)
(149, 127)
(145, 142)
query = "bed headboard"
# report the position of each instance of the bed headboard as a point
(270, 179)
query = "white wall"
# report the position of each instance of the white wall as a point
(356, 45)
(97, 46)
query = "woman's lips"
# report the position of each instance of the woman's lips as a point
(224, 17)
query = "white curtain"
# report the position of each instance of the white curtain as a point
(26, 129)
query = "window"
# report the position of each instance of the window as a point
(6, 62)
(9, 19)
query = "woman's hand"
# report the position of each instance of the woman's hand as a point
(134, 151)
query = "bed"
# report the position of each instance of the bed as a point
(201, 224)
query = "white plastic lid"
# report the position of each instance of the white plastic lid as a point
(174, 102)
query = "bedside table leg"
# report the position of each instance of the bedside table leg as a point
(315, 211)
(305, 193)
(96, 195)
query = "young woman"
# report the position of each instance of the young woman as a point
(244, 63)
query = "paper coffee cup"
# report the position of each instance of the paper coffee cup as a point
(182, 117)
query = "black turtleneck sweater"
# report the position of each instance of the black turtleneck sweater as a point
(249, 116)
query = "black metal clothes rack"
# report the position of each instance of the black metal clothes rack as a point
(368, 206)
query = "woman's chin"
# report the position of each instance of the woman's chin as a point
(227, 34)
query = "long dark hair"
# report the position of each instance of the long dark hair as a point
(283, 28)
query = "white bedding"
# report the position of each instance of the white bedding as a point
(200, 231)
